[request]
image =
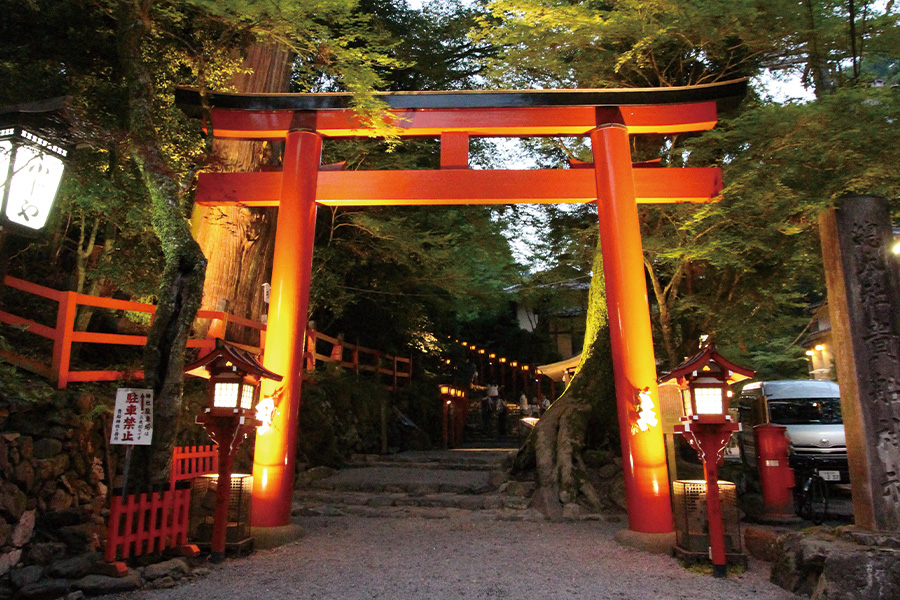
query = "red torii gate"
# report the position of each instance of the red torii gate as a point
(607, 116)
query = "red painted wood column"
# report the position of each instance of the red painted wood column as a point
(276, 450)
(634, 365)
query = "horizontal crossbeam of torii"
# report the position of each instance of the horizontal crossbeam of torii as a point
(608, 117)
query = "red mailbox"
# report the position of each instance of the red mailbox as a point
(776, 476)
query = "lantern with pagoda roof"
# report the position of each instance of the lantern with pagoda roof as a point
(229, 417)
(704, 379)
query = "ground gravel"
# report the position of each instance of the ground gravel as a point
(462, 557)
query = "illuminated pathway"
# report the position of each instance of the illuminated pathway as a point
(462, 557)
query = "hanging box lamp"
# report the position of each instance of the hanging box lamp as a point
(31, 163)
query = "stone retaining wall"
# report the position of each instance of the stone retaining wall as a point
(53, 493)
(825, 563)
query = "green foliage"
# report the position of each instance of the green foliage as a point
(635, 42)
(395, 275)
(811, 154)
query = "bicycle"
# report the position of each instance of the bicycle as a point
(811, 497)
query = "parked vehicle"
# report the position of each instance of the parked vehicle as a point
(810, 410)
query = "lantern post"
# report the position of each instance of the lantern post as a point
(229, 417)
(454, 410)
(707, 427)
(446, 404)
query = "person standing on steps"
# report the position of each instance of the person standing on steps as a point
(501, 416)
(545, 404)
(487, 408)
(469, 375)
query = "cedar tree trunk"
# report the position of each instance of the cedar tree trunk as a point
(239, 242)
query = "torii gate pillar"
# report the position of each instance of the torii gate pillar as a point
(634, 364)
(276, 450)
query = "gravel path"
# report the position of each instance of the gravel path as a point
(462, 557)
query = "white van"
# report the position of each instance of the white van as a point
(811, 412)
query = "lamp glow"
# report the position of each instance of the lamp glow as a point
(708, 401)
(646, 411)
(265, 412)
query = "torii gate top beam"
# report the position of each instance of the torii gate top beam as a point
(526, 113)
(454, 117)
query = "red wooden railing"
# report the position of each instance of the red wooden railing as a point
(355, 357)
(147, 523)
(63, 336)
(192, 461)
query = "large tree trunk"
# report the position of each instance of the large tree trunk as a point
(587, 408)
(182, 281)
(239, 242)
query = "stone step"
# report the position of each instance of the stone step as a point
(318, 499)
(438, 484)
(422, 512)
(475, 460)
(411, 480)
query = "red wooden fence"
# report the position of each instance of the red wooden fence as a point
(147, 523)
(192, 461)
(355, 357)
(63, 336)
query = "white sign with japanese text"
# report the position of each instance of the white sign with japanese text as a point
(132, 417)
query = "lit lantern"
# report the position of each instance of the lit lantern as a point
(234, 377)
(704, 380)
(230, 415)
(31, 168)
(706, 426)
(453, 414)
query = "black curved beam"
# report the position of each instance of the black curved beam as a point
(726, 94)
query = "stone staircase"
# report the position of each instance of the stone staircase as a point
(428, 484)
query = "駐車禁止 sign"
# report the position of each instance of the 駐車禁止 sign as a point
(132, 417)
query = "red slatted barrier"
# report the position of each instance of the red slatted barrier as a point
(147, 523)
